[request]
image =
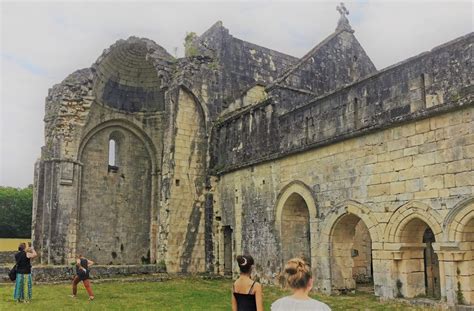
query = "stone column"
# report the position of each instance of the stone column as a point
(453, 275)
(383, 271)
(154, 223)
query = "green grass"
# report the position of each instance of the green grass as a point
(176, 294)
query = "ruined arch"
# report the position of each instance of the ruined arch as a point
(413, 231)
(295, 215)
(347, 237)
(126, 125)
(132, 76)
(199, 103)
(407, 212)
(459, 227)
(122, 197)
(457, 219)
(188, 139)
(355, 208)
(304, 191)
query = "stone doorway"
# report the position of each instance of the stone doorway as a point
(227, 231)
(351, 255)
(295, 229)
(419, 270)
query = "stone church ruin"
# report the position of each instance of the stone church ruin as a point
(236, 148)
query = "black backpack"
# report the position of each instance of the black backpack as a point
(12, 274)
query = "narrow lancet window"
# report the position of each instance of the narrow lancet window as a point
(112, 152)
(113, 163)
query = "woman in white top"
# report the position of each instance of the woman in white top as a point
(300, 280)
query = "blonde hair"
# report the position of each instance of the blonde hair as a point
(298, 273)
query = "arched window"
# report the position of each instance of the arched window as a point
(115, 140)
(112, 152)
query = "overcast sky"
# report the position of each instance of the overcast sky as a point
(43, 42)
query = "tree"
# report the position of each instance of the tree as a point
(15, 212)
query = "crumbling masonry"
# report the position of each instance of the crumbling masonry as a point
(235, 148)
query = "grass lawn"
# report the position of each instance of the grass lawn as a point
(176, 294)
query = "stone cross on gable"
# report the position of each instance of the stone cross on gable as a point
(341, 8)
(343, 23)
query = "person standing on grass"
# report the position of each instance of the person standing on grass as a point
(246, 293)
(82, 274)
(300, 281)
(23, 273)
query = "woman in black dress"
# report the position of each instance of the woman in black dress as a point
(246, 293)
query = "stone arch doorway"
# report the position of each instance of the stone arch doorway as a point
(419, 268)
(351, 255)
(296, 222)
(295, 229)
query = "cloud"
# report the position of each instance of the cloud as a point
(23, 63)
(43, 42)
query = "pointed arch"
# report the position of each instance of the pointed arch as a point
(304, 191)
(457, 219)
(408, 212)
(295, 221)
(355, 208)
(127, 125)
(199, 102)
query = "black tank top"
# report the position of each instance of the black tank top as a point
(83, 275)
(23, 264)
(246, 302)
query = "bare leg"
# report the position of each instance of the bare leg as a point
(74, 285)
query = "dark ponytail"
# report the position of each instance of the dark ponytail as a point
(245, 263)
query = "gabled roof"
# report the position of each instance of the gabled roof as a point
(338, 60)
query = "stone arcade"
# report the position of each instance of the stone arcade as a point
(235, 148)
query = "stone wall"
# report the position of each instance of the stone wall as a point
(424, 85)
(182, 212)
(383, 182)
(66, 273)
(7, 258)
(222, 67)
(362, 254)
(118, 195)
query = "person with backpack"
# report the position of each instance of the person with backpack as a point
(82, 274)
(23, 273)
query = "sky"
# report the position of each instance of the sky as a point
(42, 42)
